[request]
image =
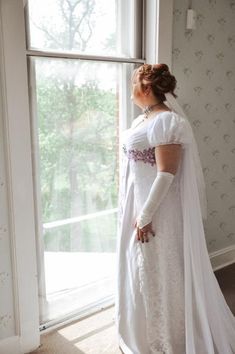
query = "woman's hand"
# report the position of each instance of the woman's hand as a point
(142, 234)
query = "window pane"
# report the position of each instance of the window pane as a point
(83, 26)
(76, 112)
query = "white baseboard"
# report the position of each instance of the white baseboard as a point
(10, 345)
(13, 345)
(222, 258)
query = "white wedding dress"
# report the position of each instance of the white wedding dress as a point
(168, 300)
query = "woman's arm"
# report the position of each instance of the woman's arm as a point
(167, 160)
(168, 157)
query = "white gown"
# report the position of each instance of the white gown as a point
(168, 300)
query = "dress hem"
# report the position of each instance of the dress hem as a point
(124, 347)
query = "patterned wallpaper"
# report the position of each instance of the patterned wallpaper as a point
(204, 66)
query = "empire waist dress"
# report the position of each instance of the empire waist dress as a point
(167, 296)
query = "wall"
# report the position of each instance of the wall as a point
(7, 321)
(204, 66)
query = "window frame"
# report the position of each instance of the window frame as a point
(136, 50)
(157, 24)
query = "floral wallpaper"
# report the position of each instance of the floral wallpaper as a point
(204, 66)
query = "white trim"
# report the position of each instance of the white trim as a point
(164, 33)
(10, 345)
(136, 42)
(158, 31)
(64, 55)
(18, 159)
(36, 184)
(222, 258)
(150, 37)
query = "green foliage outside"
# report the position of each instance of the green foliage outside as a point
(78, 132)
(77, 128)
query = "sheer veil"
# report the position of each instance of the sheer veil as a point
(174, 105)
(209, 322)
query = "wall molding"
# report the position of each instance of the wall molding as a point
(222, 258)
(10, 345)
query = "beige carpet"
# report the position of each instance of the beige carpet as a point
(92, 335)
(96, 334)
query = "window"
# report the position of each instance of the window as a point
(81, 54)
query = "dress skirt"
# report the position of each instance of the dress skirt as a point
(167, 298)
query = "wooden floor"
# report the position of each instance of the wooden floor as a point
(226, 280)
(97, 335)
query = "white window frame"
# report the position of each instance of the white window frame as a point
(14, 83)
(19, 167)
(158, 31)
(125, 110)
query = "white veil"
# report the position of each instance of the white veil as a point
(174, 105)
(209, 322)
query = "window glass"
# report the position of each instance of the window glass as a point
(76, 112)
(83, 26)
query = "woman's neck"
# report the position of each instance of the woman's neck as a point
(154, 108)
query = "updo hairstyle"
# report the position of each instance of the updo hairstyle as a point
(160, 79)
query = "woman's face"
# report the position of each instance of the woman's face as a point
(137, 92)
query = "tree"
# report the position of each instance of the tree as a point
(77, 134)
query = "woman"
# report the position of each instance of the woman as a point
(168, 299)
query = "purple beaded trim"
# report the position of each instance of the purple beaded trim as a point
(147, 155)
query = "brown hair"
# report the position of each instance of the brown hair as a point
(159, 78)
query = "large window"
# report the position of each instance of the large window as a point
(81, 54)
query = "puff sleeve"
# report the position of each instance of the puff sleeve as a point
(168, 128)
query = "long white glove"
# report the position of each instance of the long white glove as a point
(157, 192)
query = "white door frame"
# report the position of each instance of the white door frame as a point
(19, 167)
